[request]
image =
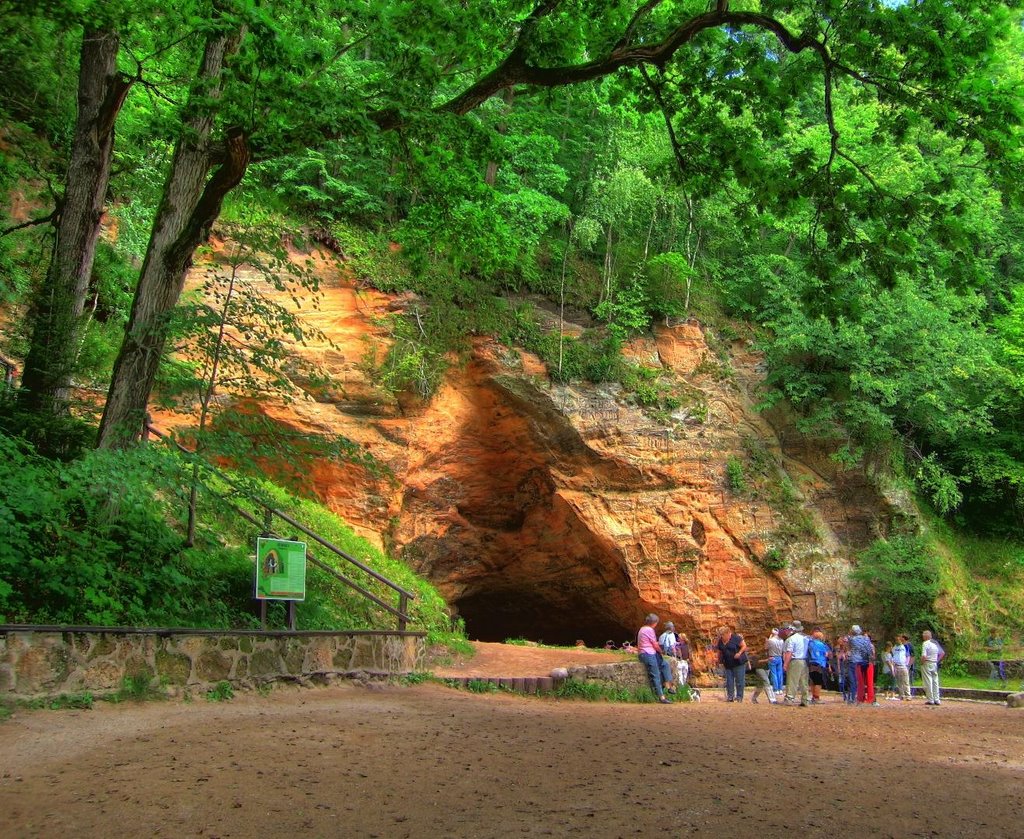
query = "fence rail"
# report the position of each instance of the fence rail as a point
(401, 612)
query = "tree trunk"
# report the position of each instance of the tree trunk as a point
(183, 220)
(57, 315)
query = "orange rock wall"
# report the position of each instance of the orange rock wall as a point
(560, 512)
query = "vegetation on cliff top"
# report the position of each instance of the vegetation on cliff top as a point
(845, 177)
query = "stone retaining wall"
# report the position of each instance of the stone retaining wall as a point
(632, 674)
(1014, 669)
(622, 674)
(45, 661)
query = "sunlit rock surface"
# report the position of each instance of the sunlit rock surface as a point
(554, 512)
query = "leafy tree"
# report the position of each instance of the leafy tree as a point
(890, 53)
(897, 583)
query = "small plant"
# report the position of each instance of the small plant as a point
(773, 559)
(264, 689)
(517, 642)
(734, 476)
(69, 701)
(480, 686)
(415, 678)
(137, 688)
(220, 692)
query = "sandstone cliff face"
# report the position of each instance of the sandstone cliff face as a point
(555, 513)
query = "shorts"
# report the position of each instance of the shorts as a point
(817, 674)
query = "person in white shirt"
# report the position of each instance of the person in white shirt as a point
(794, 660)
(931, 655)
(669, 641)
(901, 669)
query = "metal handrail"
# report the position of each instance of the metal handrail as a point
(404, 595)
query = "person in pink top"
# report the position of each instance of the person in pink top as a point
(650, 655)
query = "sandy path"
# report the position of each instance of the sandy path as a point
(430, 761)
(511, 660)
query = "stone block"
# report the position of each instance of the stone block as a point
(101, 646)
(319, 656)
(102, 675)
(212, 666)
(35, 672)
(265, 662)
(293, 653)
(174, 668)
(136, 666)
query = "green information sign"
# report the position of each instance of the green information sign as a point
(280, 569)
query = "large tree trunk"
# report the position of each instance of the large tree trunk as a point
(57, 314)
(189, 206)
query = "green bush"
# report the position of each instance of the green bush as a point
(734, 476)
(896, 583)
(98, 542)
(220, 692)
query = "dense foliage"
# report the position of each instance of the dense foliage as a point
(100, 541)
(844, 177)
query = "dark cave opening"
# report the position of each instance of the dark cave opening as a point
(501, 614)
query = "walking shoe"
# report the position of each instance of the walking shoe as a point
(876, 703)
(665, 701)
(803, 704)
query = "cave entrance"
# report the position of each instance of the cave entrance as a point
(500, 614)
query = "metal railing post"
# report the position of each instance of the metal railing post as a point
(403, 608)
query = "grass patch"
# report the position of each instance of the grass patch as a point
(600, 692)
(82, 701)
(138, 688)
(220, 692)
(416, 678)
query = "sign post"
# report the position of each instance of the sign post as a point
(281, 572)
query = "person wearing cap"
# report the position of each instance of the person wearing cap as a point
(669, 642)
(776, 648)
(649, 653)
(862, 653)
(794, 661)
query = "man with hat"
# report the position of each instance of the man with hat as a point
(794, 661)
(669, 641)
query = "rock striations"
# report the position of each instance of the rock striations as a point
(560, 512)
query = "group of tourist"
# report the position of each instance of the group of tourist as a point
(657, 652)
(795, 666)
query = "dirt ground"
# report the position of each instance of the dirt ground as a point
(426, 761)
